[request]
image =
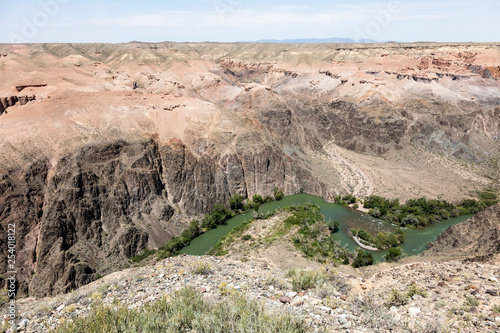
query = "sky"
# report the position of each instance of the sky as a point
(47, 21)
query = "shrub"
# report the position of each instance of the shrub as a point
(397, 298)
(471, 301)
(349, 198)
(375, 212)
(333, 226)
(394, 254)
(495, 308)
(236, 202)
(410, 220)
(304, 280)
(363, 258)
(355, 206)
(4, 297)
(257, 198)
(187, 311)
(278, 193)
(145, 253)
(246, 237)
(200, 267)
(268, 198)
(413, 290)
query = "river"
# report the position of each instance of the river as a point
(415, 239)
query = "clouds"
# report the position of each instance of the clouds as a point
(237, 20)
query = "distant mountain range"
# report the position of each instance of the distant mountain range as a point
(317, 40)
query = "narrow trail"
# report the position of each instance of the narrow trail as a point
(353, 179)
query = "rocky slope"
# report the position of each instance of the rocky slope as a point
(339, 302)
(122, 144)
(477, 238)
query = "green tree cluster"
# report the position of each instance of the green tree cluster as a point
(363, 258)
(421, 212)
(381, 240)
(393, 254)
(314, 235)
(219, 215)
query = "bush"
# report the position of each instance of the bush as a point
(413, 290)
(394, 254)
(278, 193)
(349, 198)
(246, 237)
(187, 311)
(375, 212)
(146, 253)
(304, 280)
(333, 226)
(236, 202)
(257, 198)
(200, 267)
(268, 198)
(471, 301)
(363, 258)
(4, 297)
(397, 298)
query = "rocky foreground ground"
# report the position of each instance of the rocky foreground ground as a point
(447, 296)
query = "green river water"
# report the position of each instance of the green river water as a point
(415, 242)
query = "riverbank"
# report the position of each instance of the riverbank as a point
(363, 246)
(415, 240)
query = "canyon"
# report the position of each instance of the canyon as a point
(110, 149)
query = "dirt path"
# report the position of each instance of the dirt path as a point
(353, 179)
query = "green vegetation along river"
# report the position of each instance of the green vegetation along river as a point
(416, 239)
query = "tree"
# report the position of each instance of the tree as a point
(333, 226)
(236, 202)
(375, 212)
(363, 258)
(257, 198)
(410, 220)
(349, 198)
(220, 214)
(394, 254)
(278, 193)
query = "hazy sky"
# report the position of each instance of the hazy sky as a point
(245, 20)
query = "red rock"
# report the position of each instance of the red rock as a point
(285, 299)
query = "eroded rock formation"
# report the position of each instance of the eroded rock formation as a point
(135, 140)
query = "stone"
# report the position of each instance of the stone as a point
(493, 279)
(493, 292)
(291, 294)
(413, 311)
(342, 320)
(297, 301)
(284, 299)
(23, 323)
(315, 302)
